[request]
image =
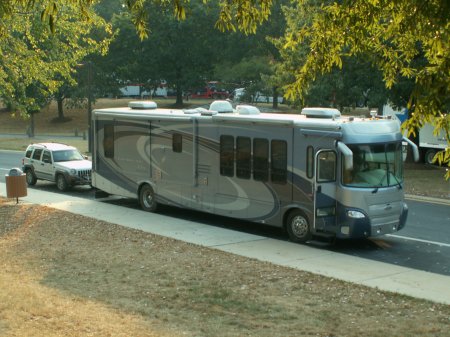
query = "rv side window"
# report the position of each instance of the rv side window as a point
(227, 156)
(177, 143)
(279, 161)
(326, 166)
(108, 141)
(260, 159)
(243, 157)
(310, 162)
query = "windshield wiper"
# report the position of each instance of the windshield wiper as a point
(399, 184)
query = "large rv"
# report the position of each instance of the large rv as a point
(315, 174)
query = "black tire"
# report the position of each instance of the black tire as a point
(61, 183)
(147, 199)
(30, 177)
(297, 227)
(429, 155)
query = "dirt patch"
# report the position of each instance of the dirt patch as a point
(62, 120)
(426, 180)
(65, 274)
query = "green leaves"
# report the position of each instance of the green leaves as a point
(37, 57)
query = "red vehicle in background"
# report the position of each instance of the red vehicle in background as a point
(211, 90)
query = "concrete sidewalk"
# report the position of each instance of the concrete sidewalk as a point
(374, 274)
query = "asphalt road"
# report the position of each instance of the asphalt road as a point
(424, 243)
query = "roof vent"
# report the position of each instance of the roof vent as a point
(142, 105)
(247, 110)
(221, 107)
(321, 112)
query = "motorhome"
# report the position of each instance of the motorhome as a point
(315, 173)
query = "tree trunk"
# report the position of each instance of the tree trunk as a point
(275, 98)
(60, 101)
(30, 130)
(179, 102)
(179, 88)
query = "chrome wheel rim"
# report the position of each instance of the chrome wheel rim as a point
(299, 226)
(148, 199)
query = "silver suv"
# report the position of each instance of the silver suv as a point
(55, 162)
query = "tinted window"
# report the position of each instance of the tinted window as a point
(108, 141)
(279, 161)
(177, 142)
(310, 162)
(326, 166)
(243, 157)
(47, 157)
(37, 154)
(28, 153)
(260, 159)
(227, 156)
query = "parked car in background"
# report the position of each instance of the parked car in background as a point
(59, 163)
(211, 90)
(240, 95)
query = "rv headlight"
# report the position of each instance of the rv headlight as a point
(327, 211)
(355, 214)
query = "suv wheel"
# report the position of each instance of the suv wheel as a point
(61, 183)
(31, 178)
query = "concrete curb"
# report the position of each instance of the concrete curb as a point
(427, 199)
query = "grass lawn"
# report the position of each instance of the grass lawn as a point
(69, 275)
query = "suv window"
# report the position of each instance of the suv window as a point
(28, 153)
(67, 155)
(47, 157)
(37, 154)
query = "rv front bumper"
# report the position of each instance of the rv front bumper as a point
(355, 223)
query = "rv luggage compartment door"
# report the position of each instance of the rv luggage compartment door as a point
(325, 191)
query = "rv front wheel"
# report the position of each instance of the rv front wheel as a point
(297, 227)
(147, 199)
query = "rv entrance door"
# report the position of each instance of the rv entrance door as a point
(325, 190)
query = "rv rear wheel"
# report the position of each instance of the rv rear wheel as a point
(297, 227)
(147, 199)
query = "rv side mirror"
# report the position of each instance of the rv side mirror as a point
(414, 147)
(348, 155)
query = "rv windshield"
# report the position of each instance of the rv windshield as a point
(375, 165)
